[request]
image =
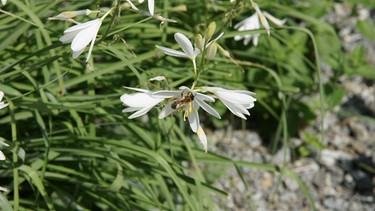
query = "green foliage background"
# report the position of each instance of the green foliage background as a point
(71, 147)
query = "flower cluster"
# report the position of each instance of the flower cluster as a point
(189, 102)
(253, 23)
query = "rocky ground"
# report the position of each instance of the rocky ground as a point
(339, 177)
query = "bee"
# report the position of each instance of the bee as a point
(182, 101)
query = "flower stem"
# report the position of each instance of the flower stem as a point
(107, 13)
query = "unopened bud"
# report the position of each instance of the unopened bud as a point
(199, 42)
(210, 31)
(70, 14)
(211, 51)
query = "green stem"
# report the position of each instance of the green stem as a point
(15, 158)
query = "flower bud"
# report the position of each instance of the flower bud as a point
(211, 51)
(210, 31)
(199, 42)
(70, 14)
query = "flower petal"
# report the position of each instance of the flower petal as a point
(3, 105)
(132, 5)
(274, 20)
(202, 137)
(138, 89)
(68, 37)
(84, 37)
(207, 108)
(141, 112)
(151, 6)
(236, 109)
(139, 100)
(263, 19)
(172, 52)
(204, 97)
(166, 111)
(2, 156)
(185, 44)
(166, 94)
(77, 53)
(194, 120)
(1, 95)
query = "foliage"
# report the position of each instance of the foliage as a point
(71, 147)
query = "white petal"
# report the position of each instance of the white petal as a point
(235, 97)
(274, 20)
(237, 110)
(185, 44)
(1, 95)
(172, 52)
(77, 53)
(130, 109)
(255, 39)
(2, 156)
(141, 112)
(3, 105)
(166, 111)
(81, 26)
(218, 37)
(151, 6)
(137, 89)
(194, 120)
(204, 97)
(196, 52)
(132, 5)
(84, 37)
(202, 137)
(166, 94)
(208, 108)
(139, 100)
(158, 78)
(68, 37)
(263, 19)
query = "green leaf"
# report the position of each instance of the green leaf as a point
(313, 141)
(367, 28)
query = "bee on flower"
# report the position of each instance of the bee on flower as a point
(189, 101)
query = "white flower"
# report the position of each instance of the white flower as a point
(185, 44)
(189, 101)
(140, 102)
(3, 2)
(184, 99)
(253, 23)
(250, 23)
(2, 104)
(237, 101)
(82, 34)
(151, 5)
